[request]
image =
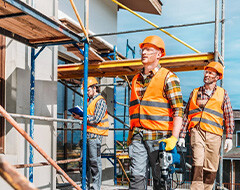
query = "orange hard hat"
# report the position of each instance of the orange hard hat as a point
(91, 81)
(156, 41)
(217, 66)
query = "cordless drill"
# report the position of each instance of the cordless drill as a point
(167, 159)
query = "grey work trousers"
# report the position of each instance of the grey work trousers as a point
(94, 163)
(142, 154)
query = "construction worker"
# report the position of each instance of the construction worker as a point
(207, 107)
(97, 127)
(156, 110)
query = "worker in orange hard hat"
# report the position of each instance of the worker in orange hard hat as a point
(207, 111)
(156, 41)
(217, 66)
(156, 110)
(92, 81)
(97, 127)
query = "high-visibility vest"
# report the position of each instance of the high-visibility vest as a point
(210, 118)
(153, 111)
(102, 127)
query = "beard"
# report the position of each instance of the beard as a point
(208, 80)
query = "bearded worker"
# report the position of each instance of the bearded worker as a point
(208, 109)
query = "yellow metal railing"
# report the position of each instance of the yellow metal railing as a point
(156, 26)
(79, 20)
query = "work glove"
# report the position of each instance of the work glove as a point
(228, 145)
(181, 142)
(130, 135)
(170, 142)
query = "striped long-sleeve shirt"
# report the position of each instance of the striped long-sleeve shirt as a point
(226, 107)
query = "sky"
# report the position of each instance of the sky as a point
(201, 37)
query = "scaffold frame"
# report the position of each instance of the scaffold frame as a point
(70, 37)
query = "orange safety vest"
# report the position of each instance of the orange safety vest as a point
(210, 118)
(153, 111)
(102, 127)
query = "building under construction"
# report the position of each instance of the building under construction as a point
(46, 51)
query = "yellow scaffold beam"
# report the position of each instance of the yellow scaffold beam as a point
(156, 26)
(130, 67)
(79, 20)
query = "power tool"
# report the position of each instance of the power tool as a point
(169, 163)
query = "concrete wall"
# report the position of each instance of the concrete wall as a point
(18, 98)
(107, 93)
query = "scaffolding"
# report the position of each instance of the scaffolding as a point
(131, 67)
(51, 32)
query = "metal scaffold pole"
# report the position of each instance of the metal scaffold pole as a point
(221, 84)
(115, 125)
(32, 98)
(151, 29)
(216, 30)
(151, 23)
(84, 150)
(31, 128)
(223, 34)
(32, 101)
(216, 58)
(65, 125)
(36, 146)
(13, 177)
(124, 116)
(85, 96)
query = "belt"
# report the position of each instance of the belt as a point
(141, 129)
(93, 136)
(142, 133)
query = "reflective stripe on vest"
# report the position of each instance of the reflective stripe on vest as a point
(210, 118)
(102, 127)
(151, 117)
(206, 110)
(153, 111)
(148, 103)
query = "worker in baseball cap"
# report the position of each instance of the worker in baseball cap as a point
(156, 110)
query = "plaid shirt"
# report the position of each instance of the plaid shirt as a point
(172, 92)
(99, 113)
(226, 107)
